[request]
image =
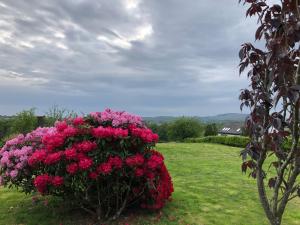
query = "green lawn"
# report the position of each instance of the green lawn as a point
(209, 189)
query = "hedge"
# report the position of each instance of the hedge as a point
(235, 141)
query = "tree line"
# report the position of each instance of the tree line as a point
(27, 120)
(182, 128)
(177, 130)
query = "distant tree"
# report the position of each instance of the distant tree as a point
(163, 132)
(273, 98)
(211, 129)
(185, 127)
(153, 126)
(5, 125)
(24, 122)
(161, 129)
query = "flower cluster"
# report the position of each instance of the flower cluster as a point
(162, 188)
(42, 181)
(107, 152)
(145, 134)
(117, 119)
(15, 154)
(106, 132)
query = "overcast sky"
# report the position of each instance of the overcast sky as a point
(148, 57)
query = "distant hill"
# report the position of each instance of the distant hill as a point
(5, 117)
(222, 118)
(228, 117)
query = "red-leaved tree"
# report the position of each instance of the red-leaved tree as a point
(273, 98)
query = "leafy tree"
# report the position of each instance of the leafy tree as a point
(163, 132)
(211, 130)
(162, 129)
(4, 127)
(24, 122)
(153, 126)
(185, 127)
(273, 98)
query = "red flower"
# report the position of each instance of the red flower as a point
(106, 132)
(53, 158)
(102, 132)
(139, 172)
(36, 157)
(61, 125)
(54, 140)
(93, 175)
(70, 131)
(72, 168)
(86, 146)
(104, 168)
(136, 160)
(154, 161)
(78, 121)
(150, 175)
(85, 163)
(115, 162)
(145, 134)
(70, 153)
(81, 156)
(57, 181)
(119, 133)
(41, 182)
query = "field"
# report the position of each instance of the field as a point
(209, 189)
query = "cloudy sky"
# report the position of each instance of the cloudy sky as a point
(149, 57)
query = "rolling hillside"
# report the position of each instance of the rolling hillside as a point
(222, 118)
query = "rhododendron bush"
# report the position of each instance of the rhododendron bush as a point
(104, 162)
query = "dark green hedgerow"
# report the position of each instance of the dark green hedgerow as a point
(235, 141)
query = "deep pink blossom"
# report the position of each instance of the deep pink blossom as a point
(86, 146)
(78, 121)
(72, 168)
(85, 163)
(57, 181)
(104, 168)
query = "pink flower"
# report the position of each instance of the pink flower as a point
(4, 161)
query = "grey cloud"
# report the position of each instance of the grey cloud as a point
(187, 65)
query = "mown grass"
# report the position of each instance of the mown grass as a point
(209, 189)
